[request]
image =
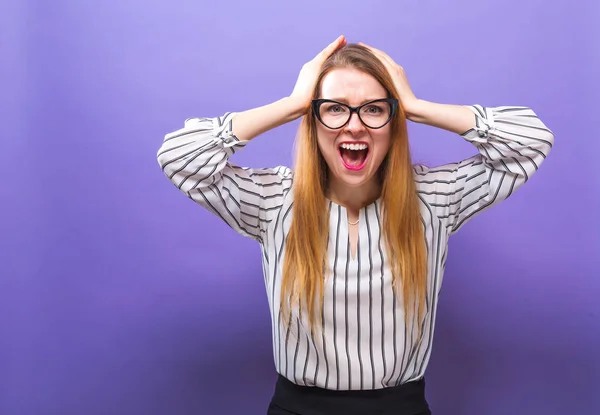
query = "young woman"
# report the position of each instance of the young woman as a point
(354, 240)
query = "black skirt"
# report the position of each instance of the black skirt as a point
(292, 399)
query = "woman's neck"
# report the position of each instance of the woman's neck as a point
(353, 198)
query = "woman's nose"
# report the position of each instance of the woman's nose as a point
(355, 124)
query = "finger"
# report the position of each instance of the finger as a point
(371, 48)
(375, 51)
(385, 58)
(329, 49)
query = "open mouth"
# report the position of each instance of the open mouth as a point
(354, 155)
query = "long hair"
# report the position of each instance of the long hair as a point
(306, 245)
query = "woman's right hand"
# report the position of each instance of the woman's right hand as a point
(307, 79)
(252, 123)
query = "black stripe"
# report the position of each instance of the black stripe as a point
(480, 110)
(195, 172)
(462, 199)
(166, 150)
(277, 318)
(324, 345)
(263, 209)
(250, 192)
(511, 109)
(323, 315)
(441, 181)
(510, 158)
(523, 125)
(262, 173)
(188, 132)
(358, 272)
(394, 305)
(261, 184)
(337, 360)
(475, 175)
(246, 213)
(512, 187)
(287, 335)
(430, 171)
(202, 150)
(465, 218)
(382, 301)
(445, 205)
(473, 189)
(220, 122)
(495, 160)
(297, 345)
(476, 201)
(536, 167)
(346, 312)
(371, 302)
(440, 193)
(215, 190)
(312, 338)
(458, 166)
(306, 359)
(519, 135)
(208, 176)
(267, 221)
(218, 213)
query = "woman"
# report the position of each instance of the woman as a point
(354, 241)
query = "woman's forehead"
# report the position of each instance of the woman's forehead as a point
(346, 84)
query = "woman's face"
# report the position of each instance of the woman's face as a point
(354, 152)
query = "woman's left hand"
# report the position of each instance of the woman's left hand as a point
(407, 97)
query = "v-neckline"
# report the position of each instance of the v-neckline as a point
(344, 235)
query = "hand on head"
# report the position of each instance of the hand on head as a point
(405, 93)
(307, 79)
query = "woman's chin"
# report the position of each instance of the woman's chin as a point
(353, 178)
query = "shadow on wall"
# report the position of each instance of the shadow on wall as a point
(486, 359)
(240, 379)
(233, 371)
(202, 352)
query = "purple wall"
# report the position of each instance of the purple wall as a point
(120, 296)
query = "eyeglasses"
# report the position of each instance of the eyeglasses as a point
(373, 114)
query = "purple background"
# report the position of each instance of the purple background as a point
(120, 296)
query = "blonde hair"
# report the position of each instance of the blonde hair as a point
(305, 256)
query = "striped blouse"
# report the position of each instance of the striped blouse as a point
(364, 343)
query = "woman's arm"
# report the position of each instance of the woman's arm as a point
(512, 143)
(455, 118)
(252, 123)
(195, 158)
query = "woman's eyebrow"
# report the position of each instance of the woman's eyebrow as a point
(346, 101)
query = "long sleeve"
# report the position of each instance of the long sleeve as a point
(512, 143)
(196, 160)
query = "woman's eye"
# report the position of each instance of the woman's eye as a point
(373, 109)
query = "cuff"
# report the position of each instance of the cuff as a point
(484, 124)
(219, 129)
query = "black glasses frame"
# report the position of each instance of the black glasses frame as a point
(316, 105)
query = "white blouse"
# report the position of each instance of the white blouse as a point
(365, 343)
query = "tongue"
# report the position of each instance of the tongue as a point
(353, 158)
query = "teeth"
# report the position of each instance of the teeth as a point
(354, 146)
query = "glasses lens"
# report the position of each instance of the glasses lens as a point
(333, 115)
(375, 114)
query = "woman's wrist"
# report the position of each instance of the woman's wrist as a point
(252, 123)
(455, 118)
